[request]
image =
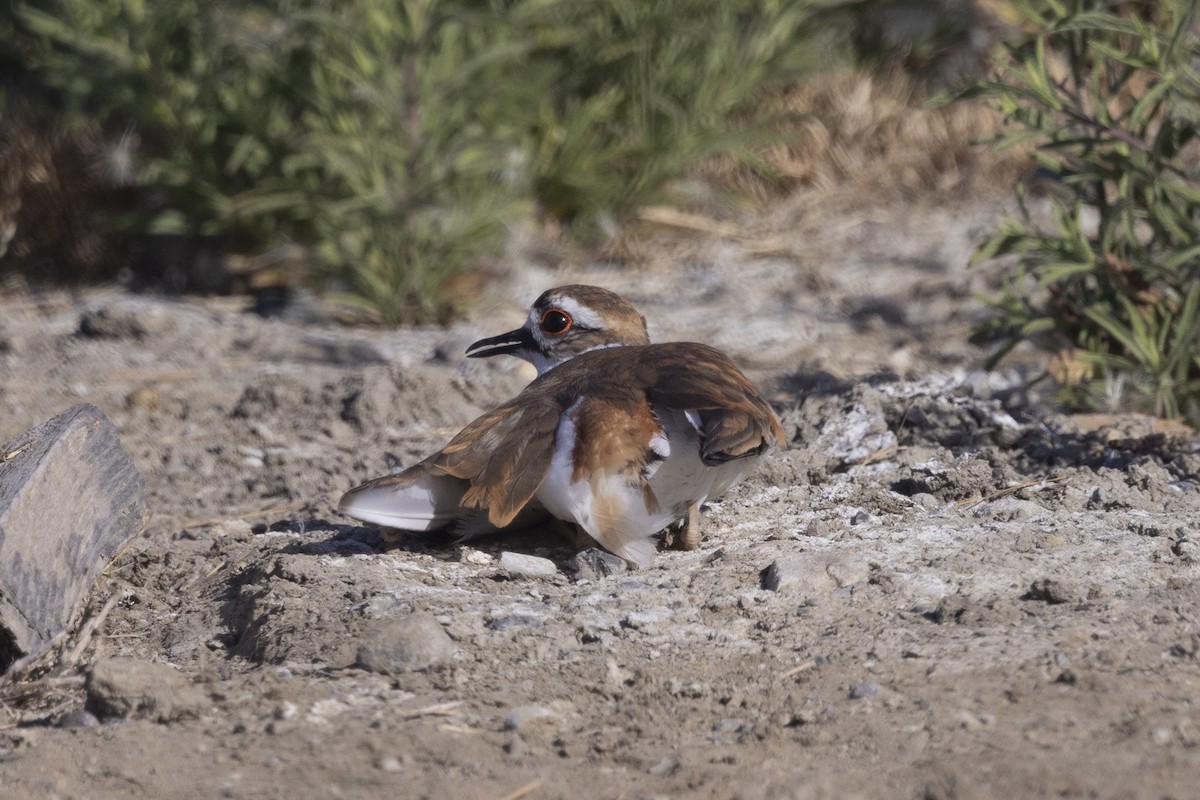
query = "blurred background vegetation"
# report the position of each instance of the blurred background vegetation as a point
(384, 151)
(386, 154)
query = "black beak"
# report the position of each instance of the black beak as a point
(505, 343)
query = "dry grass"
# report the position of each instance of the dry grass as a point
(875, 134)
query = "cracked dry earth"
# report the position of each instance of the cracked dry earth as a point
(941, 589)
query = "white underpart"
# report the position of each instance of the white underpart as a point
(612, 509)
(683, 479)
(539, 361)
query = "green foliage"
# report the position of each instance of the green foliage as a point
(641, 92)
(358, 129)
(395, 140)
(1110, 95)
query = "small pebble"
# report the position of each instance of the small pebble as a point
(521, 717)
(972, 722)
(593, 564)
(527, 566)
(129, 687)
(864, 690)
(78, 719)
(389, 764)
(729, 725)
(469, 555)
(1056, 591)
(664, 767)
(411, 643)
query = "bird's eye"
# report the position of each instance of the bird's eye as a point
(555, 322)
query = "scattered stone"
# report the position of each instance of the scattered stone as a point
(515, 747)
(1056, 591)
(285, 711)
(125, 320)
(527, 566)
(809, 574)
(1162, 736)
(649, 620)
(926, 501)
(968, 477)
(665, 766)
(145, 397)
(860, 432)
(469, 555)
(408, 644)
(70, 497)
(593, 564)
(972, 722)
(135, 689)
(79, 718)
(389, 764)
(1009, 509)
(728, 725)
(521, 717)
(864, 691)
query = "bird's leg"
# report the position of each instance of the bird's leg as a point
(689, 536)
(391, 535)
(685, 534)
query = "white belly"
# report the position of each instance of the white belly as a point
(613, 510)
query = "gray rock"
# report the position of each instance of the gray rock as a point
(859, 432)
(521, 717)
(811, 574)
(1009, 509)
(1057, 590)
(79, 718)
(593, 564)
(527, 566)
(864, 690)
(129, 687)
(407, 644)
(126, 319)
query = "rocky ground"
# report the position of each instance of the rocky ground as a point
(941, 589)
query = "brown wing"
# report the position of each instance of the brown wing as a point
(504, 455)
(735, 420)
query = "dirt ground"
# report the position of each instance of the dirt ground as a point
(941, 589)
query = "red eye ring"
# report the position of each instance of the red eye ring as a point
(556, 322)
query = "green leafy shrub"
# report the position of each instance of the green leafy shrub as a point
(356, 129)
(642, 92)
(399, 167)
(395, 141)
(1110, 95)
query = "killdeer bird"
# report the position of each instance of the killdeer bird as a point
(623, 438)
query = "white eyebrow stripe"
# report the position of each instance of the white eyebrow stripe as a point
(583, 316)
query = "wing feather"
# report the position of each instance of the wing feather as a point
(503, 456)
(416, 499)
(735, 420)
